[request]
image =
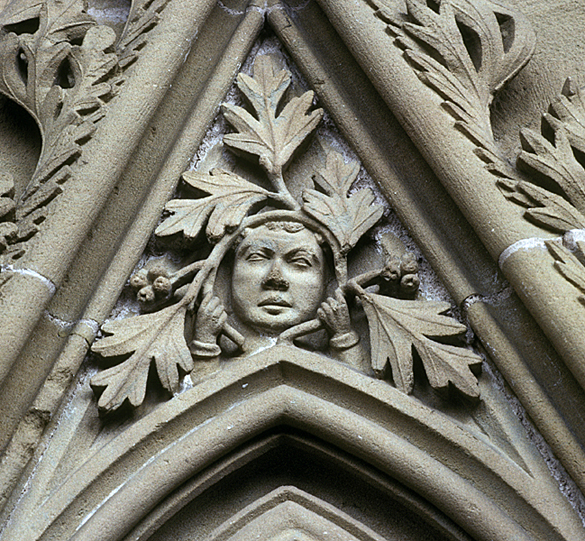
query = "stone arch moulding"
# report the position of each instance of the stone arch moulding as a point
(151, 130)
(481, 490)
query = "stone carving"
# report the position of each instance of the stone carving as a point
(63, 69)
(280, 272)
(143, 17)
(56, 67)
(559, 159)
(8, 229)
(465, 51)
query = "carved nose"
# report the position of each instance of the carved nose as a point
(275, 280)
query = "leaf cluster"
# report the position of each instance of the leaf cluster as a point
(56, 66)
(347, 217)
(272, 135)
(465, 51)
(396, 326)
(557, 159)
(544, 208)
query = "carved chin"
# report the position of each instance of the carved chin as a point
(272, 318)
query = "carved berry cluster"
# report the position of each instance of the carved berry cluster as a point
(400, 275)
(150, 285)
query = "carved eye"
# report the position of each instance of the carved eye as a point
(257, 255)
(301, 262)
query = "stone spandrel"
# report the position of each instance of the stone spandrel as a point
(289, 259)
(283, 299)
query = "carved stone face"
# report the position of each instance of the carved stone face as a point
(278, 277)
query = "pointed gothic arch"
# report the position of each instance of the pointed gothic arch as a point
(444, 465)
(130, 183)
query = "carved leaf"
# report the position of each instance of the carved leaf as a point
(143, 17)
(57, 21)
(65, 20)
(348, 218)
(465, 51)
(18, 12)
(230, 200)
(569, 111)
(159, 337)
(338, 176)
(56, 67)
(69, 117)
(272, 137)
(556, 162)
(569, 265)
(35, 60)
(544, 208)
(398, 326)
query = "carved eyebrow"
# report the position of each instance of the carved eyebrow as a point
(257, 247)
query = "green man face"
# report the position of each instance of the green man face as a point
(278, 277)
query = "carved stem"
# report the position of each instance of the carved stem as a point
(340, 268)
(353, 287)
(285, 196)
(186, 271)
(308, 327)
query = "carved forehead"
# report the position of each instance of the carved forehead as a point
(281, 235)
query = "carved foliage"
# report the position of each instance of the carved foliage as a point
(465, 51)
(159, 337)
(62, 68)
(559, 159)
(399, 326)
(348, 218)
(230, 199)
(570, 265)
(271, 136)
(222, 212)
(8, 229)
(143, 17)
(55, 66)
(556, 157)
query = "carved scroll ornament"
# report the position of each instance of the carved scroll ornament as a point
(465, 51)
(62, 68)
(280, 246)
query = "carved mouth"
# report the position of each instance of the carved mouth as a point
(275, 301)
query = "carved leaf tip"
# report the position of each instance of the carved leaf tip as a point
(568, 264)
(338, 176)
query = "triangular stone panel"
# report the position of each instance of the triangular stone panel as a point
(376, 365)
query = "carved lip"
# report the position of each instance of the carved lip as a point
(275, 301)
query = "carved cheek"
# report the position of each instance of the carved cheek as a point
(308, 286)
